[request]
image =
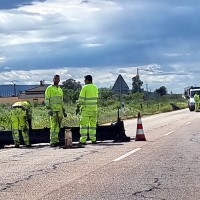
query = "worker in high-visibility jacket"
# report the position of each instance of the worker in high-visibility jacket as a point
(56, 111)
(87, 106)
(21, 115)
(196, 99)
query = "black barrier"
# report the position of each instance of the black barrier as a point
(115, 132)
(6, 138)
(174, 107)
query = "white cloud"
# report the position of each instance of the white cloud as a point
(107, 37)
(176, 54)
(91, 45)
(102, 77)
(2, 59)
(35, 20)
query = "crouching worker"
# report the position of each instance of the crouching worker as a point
(54, 104)
(21, 115)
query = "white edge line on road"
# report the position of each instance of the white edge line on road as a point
(127, 154)
(188, 123)
(169, 133)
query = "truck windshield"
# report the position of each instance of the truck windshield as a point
(194, 92)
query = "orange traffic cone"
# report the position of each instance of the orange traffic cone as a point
(140, 132)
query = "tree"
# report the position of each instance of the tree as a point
(71, 89)
(162, 90)
(136, 84)
(70, 96)
(72, 84)
(105, 93)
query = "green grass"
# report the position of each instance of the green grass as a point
(107, 113)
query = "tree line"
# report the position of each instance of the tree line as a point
(137, 87)
(71, 90)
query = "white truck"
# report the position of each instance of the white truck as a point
(189, 93)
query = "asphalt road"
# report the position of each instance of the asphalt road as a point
(165, 167)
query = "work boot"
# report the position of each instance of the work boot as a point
(16, 145)
(94, 142)
(53, 145)
(28, 145)
(82, 143)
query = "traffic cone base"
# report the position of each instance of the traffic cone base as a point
(139, 132)
(140, 138)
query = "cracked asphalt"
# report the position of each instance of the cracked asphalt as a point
(165, 167)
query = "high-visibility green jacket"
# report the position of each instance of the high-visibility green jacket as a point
(24, 105)
(196, 98)
(54, 98)
(88, 97)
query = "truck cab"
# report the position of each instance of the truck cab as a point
(189, 94)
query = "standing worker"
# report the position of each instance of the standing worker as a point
(21, 115)
(87, 106)
(54, 104)
(196, 99)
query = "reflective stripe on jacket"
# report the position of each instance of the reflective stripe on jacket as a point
(54, 97)
(88, 97)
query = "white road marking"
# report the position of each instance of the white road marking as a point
(127, 154)
(169, 133)
(188, 123)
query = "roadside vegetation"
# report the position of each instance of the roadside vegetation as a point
(108, 109)
(136, 100)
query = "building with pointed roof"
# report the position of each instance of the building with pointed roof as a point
(35, 94)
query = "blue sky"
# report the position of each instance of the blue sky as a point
(103, 38)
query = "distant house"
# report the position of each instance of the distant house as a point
(34, 94)
(11, 90)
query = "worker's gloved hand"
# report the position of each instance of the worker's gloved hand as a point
(50, 112)
(64, 113)
(77, 110)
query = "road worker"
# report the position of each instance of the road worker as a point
(21, 115)
(196, 99)
(56, 111)
(87, 106)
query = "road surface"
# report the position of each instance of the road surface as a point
(165, 167)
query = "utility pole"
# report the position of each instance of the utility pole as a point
(14, 82)
(138, 79)
(147, 88)
(147, 95)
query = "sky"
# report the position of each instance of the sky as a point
(104, 38)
